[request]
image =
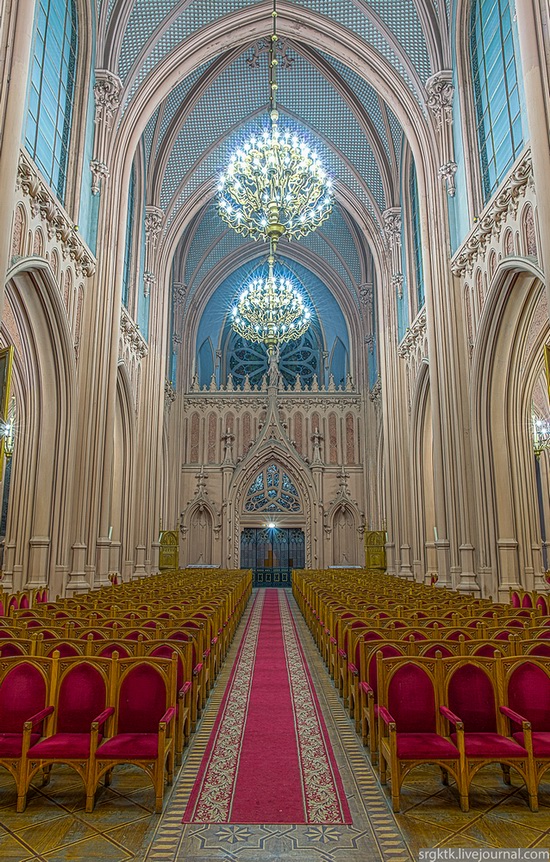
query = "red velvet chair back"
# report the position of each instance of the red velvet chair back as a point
(107, 651)
(142, 700)
(411, 700)
(164, 651)
(471, 697)
(64, 650)
(418, 635)
(514, 600)
(372, 671)
(82, 696)
(529, 694)
(7, 650)
(527, 601)
(22, 695)
(486, 650)
(543, 635)
(541, 603)
(456, 635)
(541, 649)
(437, 647)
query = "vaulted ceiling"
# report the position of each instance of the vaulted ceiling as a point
(218, 102)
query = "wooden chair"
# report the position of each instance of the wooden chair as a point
(79, 700)
(472, 692)
(527, 698)
(141, 731)
(24, 692)
(410, 725)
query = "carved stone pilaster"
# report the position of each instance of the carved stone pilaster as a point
(107, 89)
(153, 224)
(440, 90)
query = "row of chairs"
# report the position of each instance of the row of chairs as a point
(462, 714)
(185, 626)
(91, 714)
(353, 641)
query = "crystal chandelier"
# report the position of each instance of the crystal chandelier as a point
(270, 310)
(275, 184)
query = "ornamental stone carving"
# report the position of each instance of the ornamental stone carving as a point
(447, 172)
(107, 89)
(500, 209)
(131, 337)
(59, 227)
(391, 220)
(440, 90)
(153, 224)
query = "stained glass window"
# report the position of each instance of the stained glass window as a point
(496, 91)
(129, 238)
(297, 359)
(272, 491)
(416, 241)
(51, 90)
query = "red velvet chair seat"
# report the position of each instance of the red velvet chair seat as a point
(541, 742)
(130, 746)
(62, 745)
(11, 743)
(415, 746)
(490, 745)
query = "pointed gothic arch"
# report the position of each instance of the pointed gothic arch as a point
(37, 543)
(503, 374)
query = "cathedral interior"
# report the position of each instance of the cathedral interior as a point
(401, 425)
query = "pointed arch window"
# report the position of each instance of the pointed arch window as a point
(52, 89)
(496, 94)
(129, 238)
(416, 241)
(272, 491)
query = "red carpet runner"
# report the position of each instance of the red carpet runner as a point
(269, 759)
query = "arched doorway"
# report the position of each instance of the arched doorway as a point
(272, 541)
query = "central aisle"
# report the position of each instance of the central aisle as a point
(269, 759)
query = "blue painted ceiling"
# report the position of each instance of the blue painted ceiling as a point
(188, 137)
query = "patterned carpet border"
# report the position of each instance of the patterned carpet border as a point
(323, 790)
(211, 797)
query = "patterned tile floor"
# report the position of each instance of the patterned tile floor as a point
(123, 827)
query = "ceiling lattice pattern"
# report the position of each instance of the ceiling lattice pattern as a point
(375, 23)
(326, 115)
(176, 99)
